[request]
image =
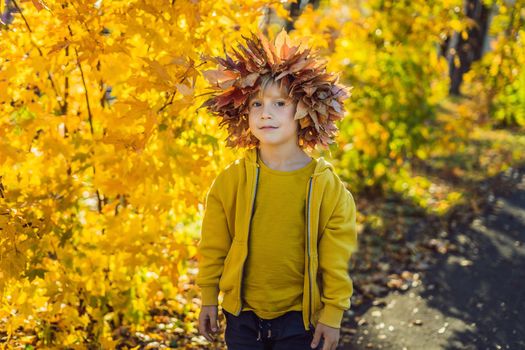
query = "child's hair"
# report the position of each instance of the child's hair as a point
(299, 72)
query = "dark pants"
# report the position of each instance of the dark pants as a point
(249, 332)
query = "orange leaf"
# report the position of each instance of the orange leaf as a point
(40, 5)
(219, 76)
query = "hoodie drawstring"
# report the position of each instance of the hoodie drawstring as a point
(261, 324)
(259, 330)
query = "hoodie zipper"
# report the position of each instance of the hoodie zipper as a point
(308, 245)
(248, 234)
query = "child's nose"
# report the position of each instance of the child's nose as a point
(266, 112)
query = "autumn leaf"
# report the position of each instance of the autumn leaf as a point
(40, 5)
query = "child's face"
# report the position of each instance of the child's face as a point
(271, 117)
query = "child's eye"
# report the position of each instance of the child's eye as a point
(278, 103)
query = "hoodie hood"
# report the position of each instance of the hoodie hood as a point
(322, 164)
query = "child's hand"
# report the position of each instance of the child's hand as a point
(208, 323)
(330, 335)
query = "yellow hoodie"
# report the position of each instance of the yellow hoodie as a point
(331, 238)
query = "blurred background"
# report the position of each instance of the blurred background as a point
(105, 162)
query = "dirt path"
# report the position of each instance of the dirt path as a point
(471, 298)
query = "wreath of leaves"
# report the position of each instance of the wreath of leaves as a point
(320, 98)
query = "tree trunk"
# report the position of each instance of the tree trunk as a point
(468, 50)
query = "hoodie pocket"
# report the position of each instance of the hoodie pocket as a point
(231, 269)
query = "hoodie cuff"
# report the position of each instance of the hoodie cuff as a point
(331, 316)
(210, 295)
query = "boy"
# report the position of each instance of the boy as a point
(279, 226)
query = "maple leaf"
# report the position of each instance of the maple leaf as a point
(40, 5)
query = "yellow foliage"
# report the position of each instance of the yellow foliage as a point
(105, 159)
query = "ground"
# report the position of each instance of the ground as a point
(470, 293)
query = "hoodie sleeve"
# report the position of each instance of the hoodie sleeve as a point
(337, 243)
(213, 246)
